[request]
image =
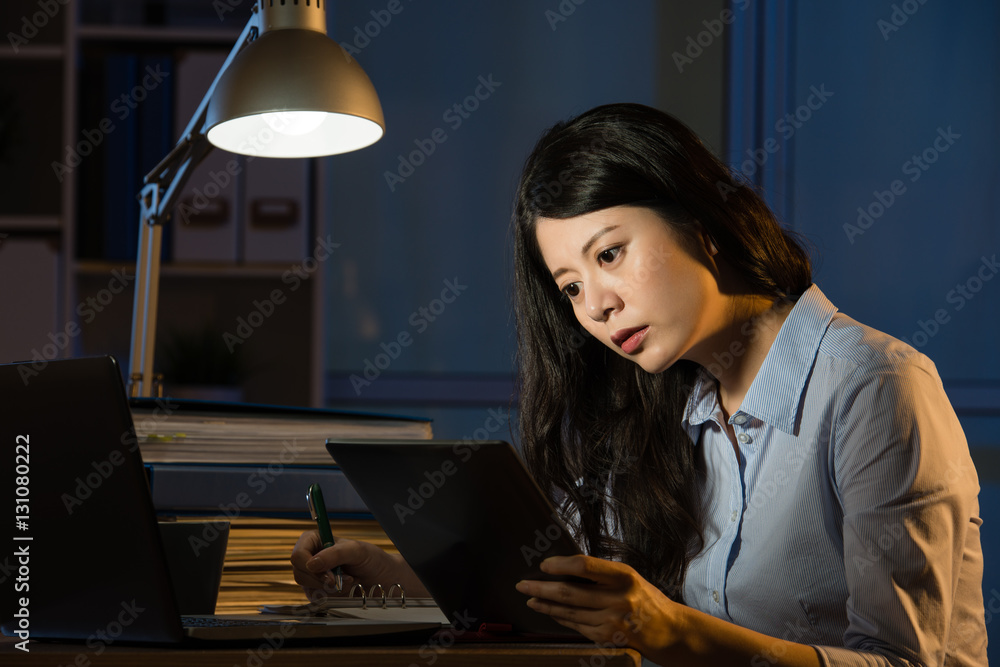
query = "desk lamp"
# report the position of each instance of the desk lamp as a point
(285, 90)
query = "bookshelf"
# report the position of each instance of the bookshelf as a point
(70, 231)
(68, 234)
(35, 84)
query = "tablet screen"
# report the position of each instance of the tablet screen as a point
(467, 517)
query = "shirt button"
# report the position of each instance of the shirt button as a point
(744, 438)
(734, 516)
(715, 596)
(740, 419)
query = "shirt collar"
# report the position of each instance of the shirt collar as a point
(775, 395)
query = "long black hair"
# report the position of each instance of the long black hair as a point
(597, 430)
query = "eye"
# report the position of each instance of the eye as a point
(609, 255)
(572, 290)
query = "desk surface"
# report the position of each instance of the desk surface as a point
(464, 655)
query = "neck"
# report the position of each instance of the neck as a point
(735, 354)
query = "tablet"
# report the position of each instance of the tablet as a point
(469, 520)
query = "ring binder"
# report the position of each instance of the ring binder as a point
(383, 596)
(356, 604)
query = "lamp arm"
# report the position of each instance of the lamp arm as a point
(176, 168)
(161, 190)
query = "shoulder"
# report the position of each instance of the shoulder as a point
(880, 390)
(857, 353)
(825, 347)
(888, 400)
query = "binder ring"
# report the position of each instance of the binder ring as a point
(364, 600)
(402, 594)
(371, 593)
(382, 594)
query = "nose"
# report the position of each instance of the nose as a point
(601, 299)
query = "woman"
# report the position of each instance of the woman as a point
(755, 477)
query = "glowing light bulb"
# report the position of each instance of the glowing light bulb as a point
(294, 123)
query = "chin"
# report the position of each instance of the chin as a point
(647, 365)
(648, 360)
(656, 365)
(656, 370)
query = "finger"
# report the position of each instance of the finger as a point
(567, 593)
(343, 553)
(305, 548)
(322, 582)
(597, 625)
(326, 587)
(597, 570)
(568, 615)
(312, 565)
(596, 634)
(325, 584)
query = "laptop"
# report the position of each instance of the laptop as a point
(83, 557)
(469, 520)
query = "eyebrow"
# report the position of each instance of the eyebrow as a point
(586, 247)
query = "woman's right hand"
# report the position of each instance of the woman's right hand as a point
(360, 562)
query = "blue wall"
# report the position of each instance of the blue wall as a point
(404, 235)
(900, 82)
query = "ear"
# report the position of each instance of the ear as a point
(709, 244)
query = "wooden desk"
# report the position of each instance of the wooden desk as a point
(464, 655)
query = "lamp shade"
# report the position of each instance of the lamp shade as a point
(294, 93)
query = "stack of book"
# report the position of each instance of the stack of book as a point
(187, 431)
(251, 465)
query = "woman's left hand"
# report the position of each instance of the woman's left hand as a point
(620, 608)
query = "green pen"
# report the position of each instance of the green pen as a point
(317, 509)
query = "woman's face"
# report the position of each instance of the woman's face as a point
(635, 284)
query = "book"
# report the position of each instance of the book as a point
(254, 489)
(390, 604)
(122, 178)
(172, 430)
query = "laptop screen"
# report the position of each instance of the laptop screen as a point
(83, 551)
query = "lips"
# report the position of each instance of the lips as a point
(629, 339)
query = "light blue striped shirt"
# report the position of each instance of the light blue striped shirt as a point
(851, 519)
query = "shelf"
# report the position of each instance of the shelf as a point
(30, 223)
(30, 52)
(62, 219)
(157, 35)
(240, 271)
